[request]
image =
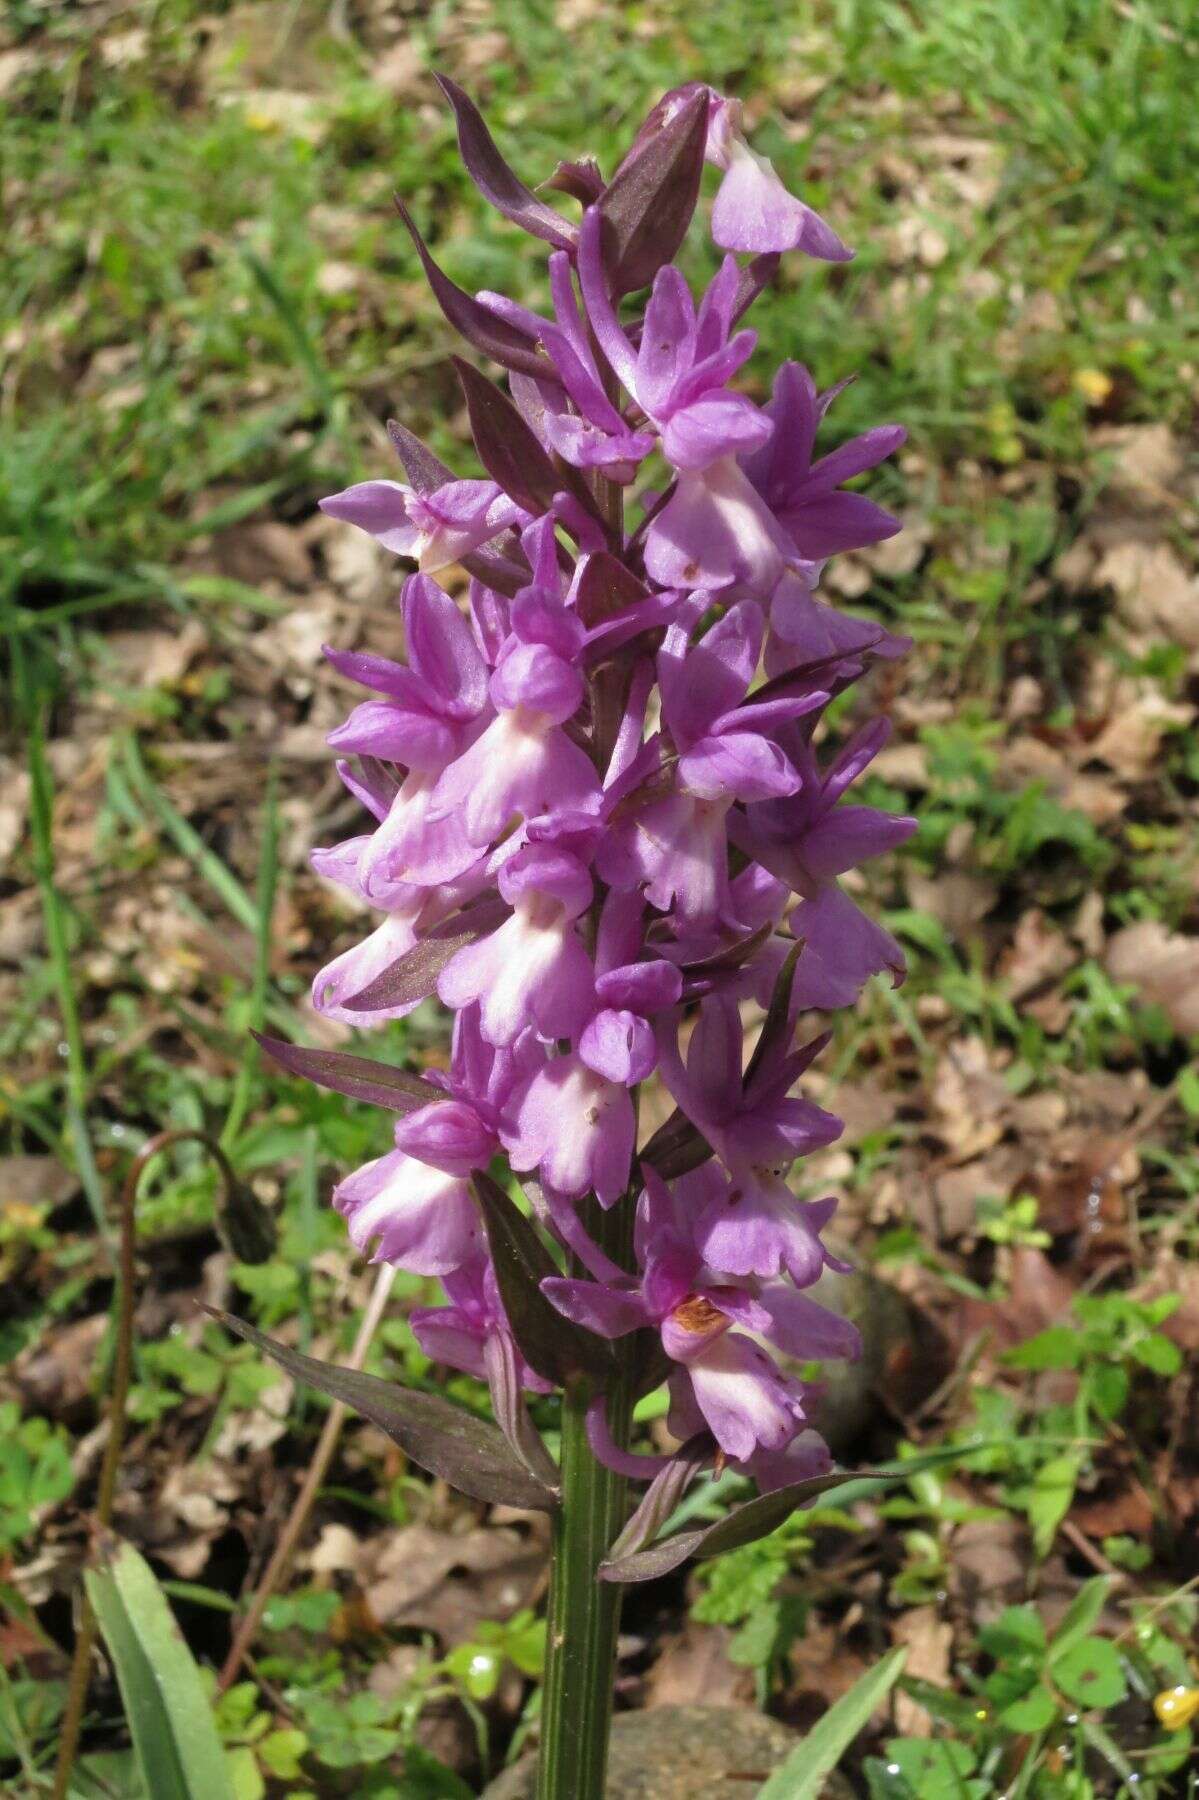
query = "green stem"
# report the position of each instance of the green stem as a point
(584, 1613)
(584, 1617)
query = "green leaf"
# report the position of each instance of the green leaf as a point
(425, 1778)
(1058, 1348)
(107, 1775)
(477, 1667)
(934, 1768)
(1127, 1552)
(280, 1752)
(308, 1609)
(741, 1581)
(1161, 1354)
(1091, 1674)
(1048, 1499)
(470, 1453)
(955, 1710)
(170, 1719)
(1188, 1091)
(1031, 1712)
(1106, 1387)
(345, 1732)
(244, 1774)
(1018, 1633)
(552, 1345)
(803, 1774)
(1080, 1616)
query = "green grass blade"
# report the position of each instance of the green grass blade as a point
(803, 1774)
(297, 331)
(219, 877)
(54, 913)
(170, 1719)
(1081, 1614)
(268, 883)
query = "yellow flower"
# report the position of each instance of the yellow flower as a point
(1093, 385)
(1176, 1707)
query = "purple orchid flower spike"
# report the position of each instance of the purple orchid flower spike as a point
(753, 210)
(412, 913)
(433, 707)
(575, 1122)
(805, 1458)
(807, 630)
(750, 1222)
(462, 1132)
(713, 531)
(533, 972)
(575, 1125)
(595, 824)
(678, 372)
(524, 763)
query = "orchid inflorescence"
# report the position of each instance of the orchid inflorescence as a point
(603, 819)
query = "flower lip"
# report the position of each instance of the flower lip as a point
(697, 1314)
(691, 1327)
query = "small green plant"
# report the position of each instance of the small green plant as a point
(175, 1370)
(1012, 1222)
(930, 1510)
(1113, 1335)
(743, 1589)
(1031, 1725)
(35, 1471)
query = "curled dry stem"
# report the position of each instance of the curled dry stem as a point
(122, 1369)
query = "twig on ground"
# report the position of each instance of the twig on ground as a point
(292, 1531)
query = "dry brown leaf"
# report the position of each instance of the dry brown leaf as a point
(265, 552)
(55, 1373)
(956, 898)
(35, 1181)
(337, 1550)
(14, 805)
(969, 1099)
(694, 1668)
(954, 1194)
(989, 1565)
(401, 70)
(1029, 759)
(929, 1639)
(1155, 595)
(1162, 966)
(1145, 462)
(1127, 1510)
(823, 1664)
(1037, 952)
(446, 1582)
(1131, 741)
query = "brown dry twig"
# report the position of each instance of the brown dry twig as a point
(298, 1518)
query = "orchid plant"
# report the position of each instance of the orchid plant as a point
(603, 825)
